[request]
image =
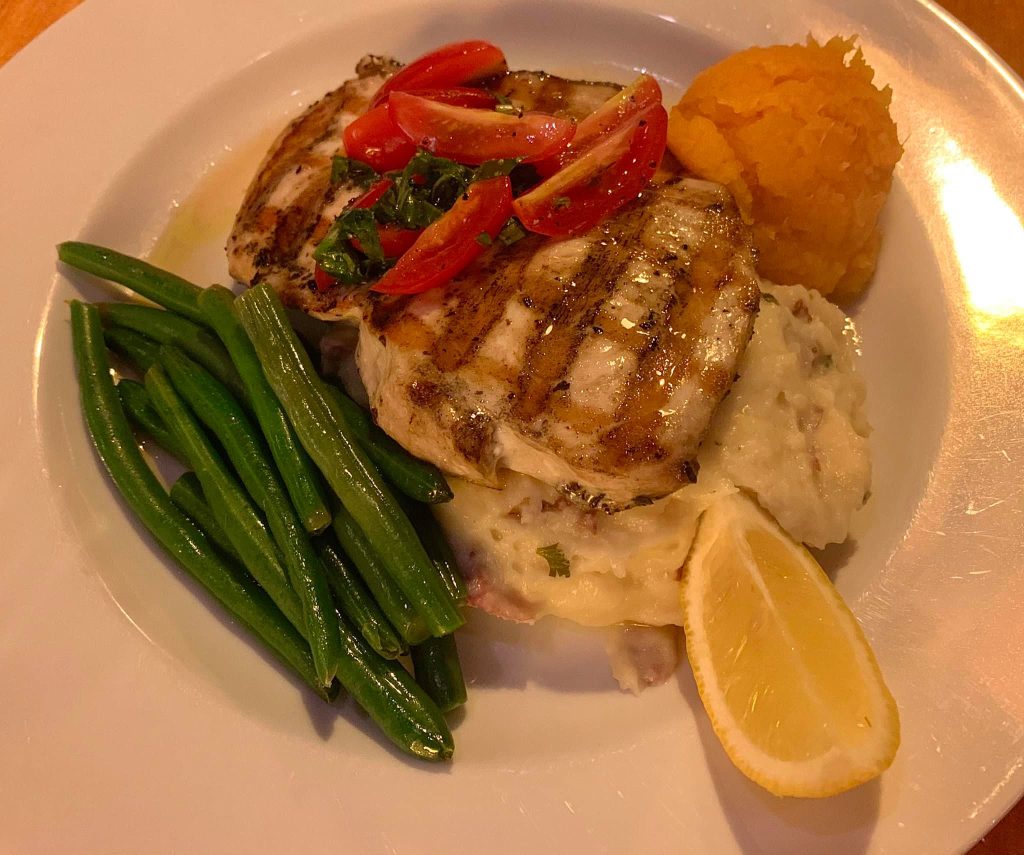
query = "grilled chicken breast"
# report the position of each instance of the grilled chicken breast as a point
(593, 364)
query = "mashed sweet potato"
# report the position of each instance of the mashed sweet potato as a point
(804, 141)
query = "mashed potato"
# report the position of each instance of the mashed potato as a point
(805, 143)
(792, 431)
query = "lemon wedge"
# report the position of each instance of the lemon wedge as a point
(790, 683)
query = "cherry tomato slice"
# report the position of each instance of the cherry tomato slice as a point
(473, 136)
(376, 140)
(372, 196)
(324, 281)
(449, 65)
(450, 244)
(394, 240)
(640, 95)
(462, 96)
(602, 179)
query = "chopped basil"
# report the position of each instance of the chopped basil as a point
(558, 564)
(511, 232)
(484, 239)
(337, 256)
(496, 168)
(438, 182)
(355, 171)
(424, 190)
(561, 202)
(419, 195)
(505, 105)
(769, 298)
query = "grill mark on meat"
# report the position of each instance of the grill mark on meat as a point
(296, 222)
(479, 304)
(639, 412)
(660, 368)
(399, 327)
(387, 312)
(583, 419)
(572, 308)
(295, 145)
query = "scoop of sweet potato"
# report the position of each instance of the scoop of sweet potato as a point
(804, 141)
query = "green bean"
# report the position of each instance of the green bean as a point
(138, 350)
(415, 478)
(151, 282)
(187, 494)
(172, 530)
(358, 605)
(393, 699)
(438, 670)
(169, 328)
(226, 496)
(301, 478)
(217, 408)
(438, 548)
(140, 411)
(395, 605)
(322, 430)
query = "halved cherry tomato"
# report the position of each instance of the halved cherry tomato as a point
(641, 94)
(375, 139)
(473, 136)
(372, 196)
(449, 65)
(394, 240)
(450, 244)
(324, 281)
(606, 176)
(462, 96)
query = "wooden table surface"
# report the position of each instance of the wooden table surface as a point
(999, 22)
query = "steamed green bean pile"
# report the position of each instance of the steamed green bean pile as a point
(303, 519)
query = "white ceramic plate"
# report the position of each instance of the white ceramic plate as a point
(134, 719)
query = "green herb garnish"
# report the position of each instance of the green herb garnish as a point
(769, 298)
(561, 202)
(337, 256)
(484, 239)
(419, 195)
(558, 564)
(354, 171)
(506, 106)
(511, 232)
(495, 168)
